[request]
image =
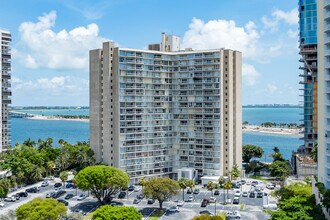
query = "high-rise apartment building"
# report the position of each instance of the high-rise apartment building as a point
(5, 66)
(154, 112)
(308, 51)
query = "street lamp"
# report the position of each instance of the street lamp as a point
(215, 207)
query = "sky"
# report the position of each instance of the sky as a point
(51, 40)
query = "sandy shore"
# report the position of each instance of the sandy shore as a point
(282, 131)
(54, 118)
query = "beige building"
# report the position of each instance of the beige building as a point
(155, 112)
(5, 66)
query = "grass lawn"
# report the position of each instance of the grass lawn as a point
(156, 215)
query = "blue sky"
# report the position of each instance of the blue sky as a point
(51, 40)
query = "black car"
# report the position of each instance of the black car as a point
(196, 191)
(151, 201)
(204, 204)
(259, 195)
(57, 185)
(121, 195)
(252, 195)
(115, 203)
(189, 191)
(68, 196)
(22, 194)
(205, 212)
(140, 196)
(131, 188)
(236, 201)
(236, 186)
(243, 182)
(66, 203)
(32, 190)
(136, 201)
(216, 192)
(59, 193)
(254, 183)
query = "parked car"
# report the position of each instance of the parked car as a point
(173, 209)
(140, 196)
(236, 200)
(151, 201)
(180, 203)
(70, 185)
(22, 194)
(136, 201)
(2, 204)
(189, 191)
(270, 186)
(236, 185)
(69, 196)
(57, 185)
(270, 207)
(116, 203)
(237, 193)
(204, 204)
(259, 195)
(196, 191)
(248, 182)
(216, 192)
(254, 183)
(50, 195)
(233, 214)
(190, 199)
(44, 184)
(206, 212)
(252, 195)
(32, 190)
(81, 197)
(212, 199)
(131, 188)
(137, 189)
(66, 203)
(10, 199)
(243, 182)
(122, 195)
(245, 194)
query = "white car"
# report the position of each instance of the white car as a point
(81, 197)
(248, 182)
(180, 203)
(212, 199)
(173, 209)
(233, 214)
(2, 204)
(245, 194)
(44, 184)
(137, 189)
(190, 199)
(270, 186)
(10, 199)
(237, 193)
(270, 206)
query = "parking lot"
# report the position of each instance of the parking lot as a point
(253, 206)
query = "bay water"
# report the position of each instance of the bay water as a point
(73, 131)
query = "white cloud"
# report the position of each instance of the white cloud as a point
(271, 88)
(293, 34)
(289, 17)
(55, 86)
(249, 73)
(222, 33)
(40, 46)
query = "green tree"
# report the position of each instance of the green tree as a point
(64, 175)
(41, 209)
(103, 181)
(190, 184)
(210, 187)
(161, 189)
(50, 167)
(37, 173)
(142, 182)
(314, 152)
(235, 172)
(116, 213)
(277, 155)
(250, 151)
(253, 165)
(326, 199)
(279, 169)
(183, 185)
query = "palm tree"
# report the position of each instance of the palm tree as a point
(190, 184)
(227, 185)
(37, 173)
(235, 172)
(183, 185)
(142, 182)
(210, 187)
(50, 167)
(29, 143)
(48, 143)
(64, 177)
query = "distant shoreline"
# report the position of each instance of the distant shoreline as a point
(273, 130)
(54, 118)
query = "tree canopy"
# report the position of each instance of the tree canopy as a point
(41, 209)
(280, 169)
(235, 172)
(161, 189)
(208, 217)
(249, 151)
(296, 202)
(116, 213)
(103, 181)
